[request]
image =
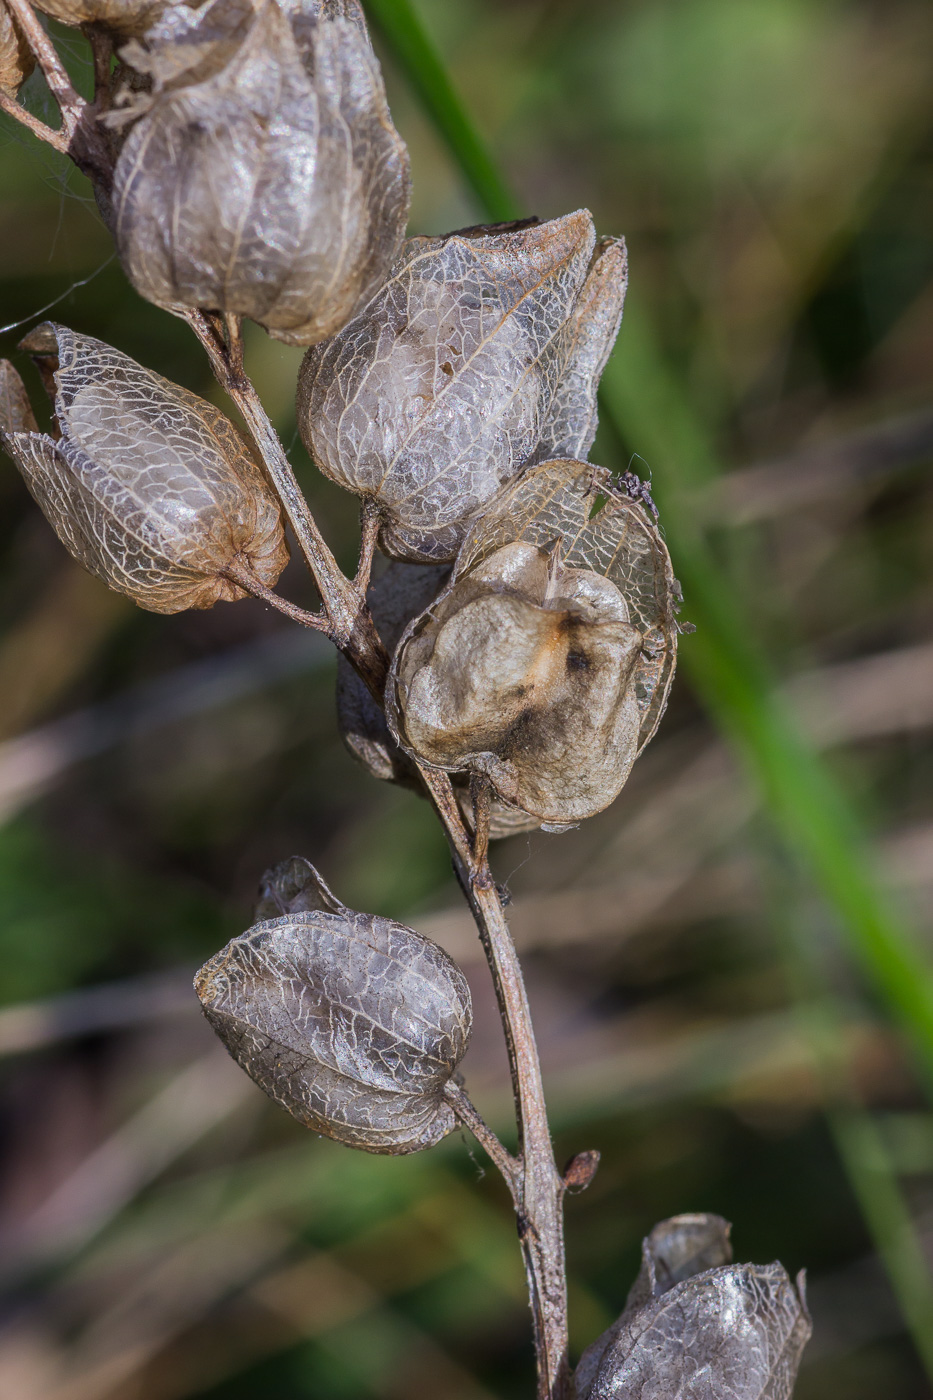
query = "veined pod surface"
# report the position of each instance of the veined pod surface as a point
(481, 353)
(148, 486)
(16, 60)
(545, 663)
(352, 1022)
(698, 1327)
(263, 176)
(122, 17)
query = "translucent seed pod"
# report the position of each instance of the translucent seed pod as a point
(483, 349)
(124, 18)
(263, 176)
(148, 486)
(353, 1023)
(16, 60)
(697, 1327)
(546, 662)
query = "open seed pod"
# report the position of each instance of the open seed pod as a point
(263, 176)
(698, 1327)
(481, 351)
(16, 60)
(546, 662)
(353, 1023)
(394, 599)
(148, 486)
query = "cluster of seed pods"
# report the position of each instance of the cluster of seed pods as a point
(525, 596)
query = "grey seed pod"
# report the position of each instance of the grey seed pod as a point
(264, 177)
(697, 1327)
(120, 17)
(353, 1023)
(148, 486)
(546, 662)
(16, 60)
(481, 346)
(398, 596)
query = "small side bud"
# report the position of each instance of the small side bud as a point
(148, 486)
(353, 1023)
(16, 58)
(580, 1170)
(696, 1324)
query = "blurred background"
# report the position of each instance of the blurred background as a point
(166, 1232)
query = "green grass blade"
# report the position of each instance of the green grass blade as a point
(651, 411)
(410, 45)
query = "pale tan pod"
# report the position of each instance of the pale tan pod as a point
(546, 662)
(148, 486)
(16, 60)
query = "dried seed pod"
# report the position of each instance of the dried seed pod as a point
(264, 176)
(394, 599)
(545, 664)
(697, 1327)
(148, 486)
(120, 17)
(16, 59)
(352, 1022)
(16, 415)
(481, 347)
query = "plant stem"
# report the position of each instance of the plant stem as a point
(538, 1187)
(349, 623)
(245, 577)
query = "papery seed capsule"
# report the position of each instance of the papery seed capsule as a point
(353, 1023)
(697, 1327)
(148, 486)
(16, 59)
(535, 668)
(482, 351)
(120, 17)
(264, 177)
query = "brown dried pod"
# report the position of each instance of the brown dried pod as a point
(353, 1023)
(16, 57)
(120, 17)
(482, 350)
(16, 415)
(394, 599)
(697, 1327)
(148, 486)
(546, 663)
(264, 177)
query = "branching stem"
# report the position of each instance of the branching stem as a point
(462, 1105)
(538, 1187)
(349, 623)
(247, 579)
